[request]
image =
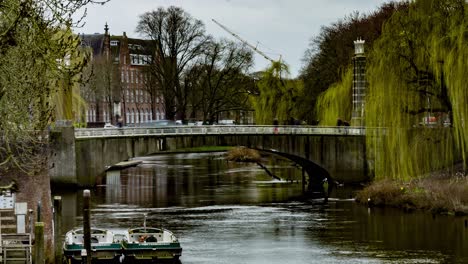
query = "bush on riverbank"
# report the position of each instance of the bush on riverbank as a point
(436, 194)
(243, 154)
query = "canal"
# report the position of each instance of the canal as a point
(226, 212)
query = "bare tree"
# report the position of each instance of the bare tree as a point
(177, 40)
(219, 81)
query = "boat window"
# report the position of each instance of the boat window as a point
(94, 240)
(151, 239)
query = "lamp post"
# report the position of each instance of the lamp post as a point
(359, 83)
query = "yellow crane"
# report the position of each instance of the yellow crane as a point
(247, 43)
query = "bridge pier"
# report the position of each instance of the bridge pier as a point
(81, 157)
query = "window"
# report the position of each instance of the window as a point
(135, 46)
(140, 59)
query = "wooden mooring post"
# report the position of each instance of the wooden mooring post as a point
(57, 228)
(87, 226)
(39, 243)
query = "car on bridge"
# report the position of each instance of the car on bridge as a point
(109, 126)
(159, 123)
(228, 122)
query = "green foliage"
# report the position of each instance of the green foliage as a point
(330, 52)
(39, 63)
(335, 102)
(277, 96)
(418, 68)
(67, 100)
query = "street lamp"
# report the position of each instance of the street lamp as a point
(359, 47)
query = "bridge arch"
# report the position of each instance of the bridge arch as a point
(80, 156)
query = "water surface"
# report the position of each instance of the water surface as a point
(226, 212)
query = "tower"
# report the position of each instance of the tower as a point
(359, 83)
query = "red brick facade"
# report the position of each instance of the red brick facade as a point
(128, 101)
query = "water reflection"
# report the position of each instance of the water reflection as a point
(198, 179)
(235, 213)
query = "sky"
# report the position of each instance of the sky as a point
(279, 28)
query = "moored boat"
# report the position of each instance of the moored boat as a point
(150, 244)
(105, 246)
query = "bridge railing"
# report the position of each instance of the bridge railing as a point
(216, 130)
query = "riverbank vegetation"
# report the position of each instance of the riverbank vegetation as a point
(416, 91)
(40, 64)
(243, 154)
(445, 195)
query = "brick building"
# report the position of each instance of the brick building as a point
(115, 85)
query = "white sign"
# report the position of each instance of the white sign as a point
(7, 201)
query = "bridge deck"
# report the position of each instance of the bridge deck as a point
(217, 130)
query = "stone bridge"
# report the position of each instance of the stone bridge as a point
(79, 156)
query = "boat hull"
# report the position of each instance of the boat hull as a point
(159, 251)
(99, 254)
(104, 247)
(150, 244)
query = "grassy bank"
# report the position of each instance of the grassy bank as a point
(436, 193)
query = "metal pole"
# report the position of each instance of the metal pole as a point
(87, 225)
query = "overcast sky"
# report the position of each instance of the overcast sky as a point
(276, 27)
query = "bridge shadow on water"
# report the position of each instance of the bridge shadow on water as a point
(319, 182)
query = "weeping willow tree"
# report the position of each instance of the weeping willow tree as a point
(277, 96)
(66, 99)
(417, 78)
(335, 102)
(417, 72)
(37, 51)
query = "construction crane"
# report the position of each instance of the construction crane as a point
(246, 43)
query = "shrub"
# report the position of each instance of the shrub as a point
(243, 154)
(438, 195)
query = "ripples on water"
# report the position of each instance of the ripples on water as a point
(231, 213)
